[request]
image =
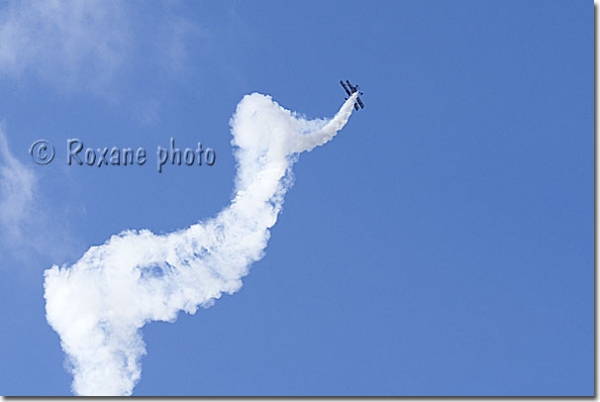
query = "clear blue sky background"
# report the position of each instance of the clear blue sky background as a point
(442, 244)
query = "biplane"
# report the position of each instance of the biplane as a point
(350, 89)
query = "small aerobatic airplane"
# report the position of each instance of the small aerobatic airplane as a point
(350, 89)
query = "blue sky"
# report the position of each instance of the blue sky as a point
(441, 244)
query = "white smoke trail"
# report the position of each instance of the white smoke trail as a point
(99, 304)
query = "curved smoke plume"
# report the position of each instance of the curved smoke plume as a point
(99, 304)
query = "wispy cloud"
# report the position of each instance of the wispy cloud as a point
(98, 47)
(17, 192)
(29, 228)
(71, 44)
(172, 42)
(99, 304)
(147, 112)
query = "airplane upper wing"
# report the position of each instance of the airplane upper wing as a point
(353, 88)
(346, 88)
